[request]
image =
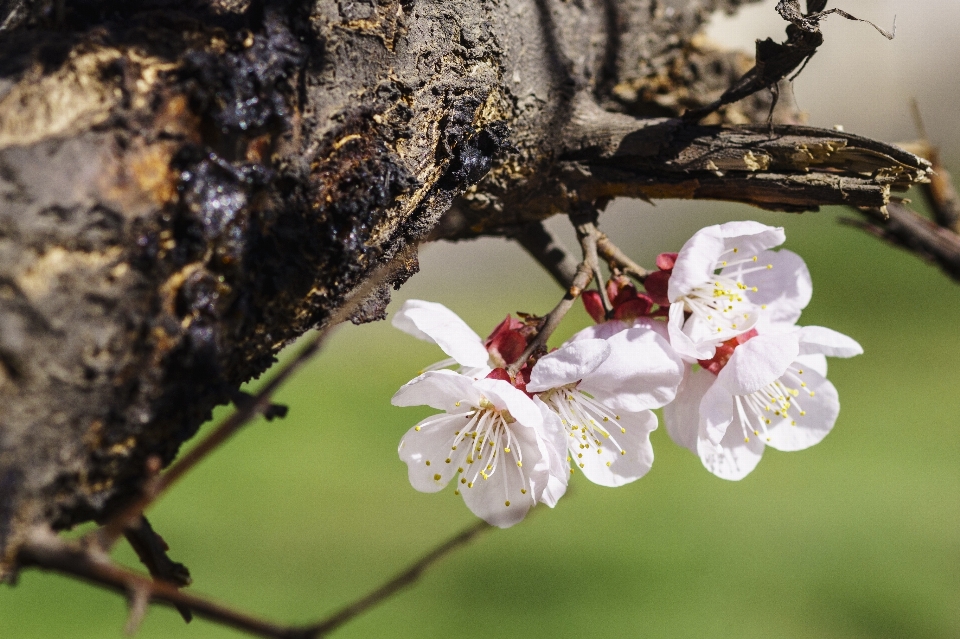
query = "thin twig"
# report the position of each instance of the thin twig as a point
(405, 578)
(585, 223)
(47, 551)
(106, 535)
(588, 234)
(916, 234)
(939, 192)
(616, 258)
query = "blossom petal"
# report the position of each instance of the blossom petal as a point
(734, 458)
(426, 449)
(817, 339)
(505, 396)
(682, 416)
(751, 238)
(442, 389)
(695, 262)
(821, 405)
(435, 323)
(681, 342)
(815, 362)
(758, 362)
(568, 364)
(716, 413)
(551, 438)
(604, 464)
(488, 498)
(641, 372)
(783, 291)
(604, 330)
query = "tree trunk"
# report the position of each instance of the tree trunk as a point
(186, 187)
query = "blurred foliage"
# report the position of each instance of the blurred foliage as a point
(858, 537)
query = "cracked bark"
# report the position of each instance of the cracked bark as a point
(186, 187)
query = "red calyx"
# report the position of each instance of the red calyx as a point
(725, 352)
(656, 282)
(520, 381)
(627, 303)
(508, 341)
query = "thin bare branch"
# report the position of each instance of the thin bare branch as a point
(939, 192)
(587, 270)
(47, 551)
(616, 258)
(404, 579)
(915, 233)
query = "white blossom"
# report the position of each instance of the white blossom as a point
(769, 390)
(726, 281)
(604, 390)
(506, 449)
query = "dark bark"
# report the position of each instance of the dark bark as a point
(186, 187)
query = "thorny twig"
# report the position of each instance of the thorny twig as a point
(588, 269)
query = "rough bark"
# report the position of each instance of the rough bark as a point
(186, 187)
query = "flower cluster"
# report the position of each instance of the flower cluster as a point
(712, 340)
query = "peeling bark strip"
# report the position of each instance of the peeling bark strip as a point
(185, 187)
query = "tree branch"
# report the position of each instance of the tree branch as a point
(914, 233)
(46, 551)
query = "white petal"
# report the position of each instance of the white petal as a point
(681, 342)
(568, 364)
(488, 498)
(426, 451)
(758, 362)
(734, 458)
(505, 396)
(642, 372)
(784, 290)
(817, 339)
(551, 438)
(438, 389)
(682, 416)
(604, 330)
(815, 362)
(821, 411)
(750, 238)
(609, 467)
(437, 324)
(696, 262)
(716, 413)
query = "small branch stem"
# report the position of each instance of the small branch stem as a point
(588, 269)
(405, 578)
(47, 551)
(618, 259)
(916, 234)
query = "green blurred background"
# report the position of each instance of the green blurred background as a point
(858, 537)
